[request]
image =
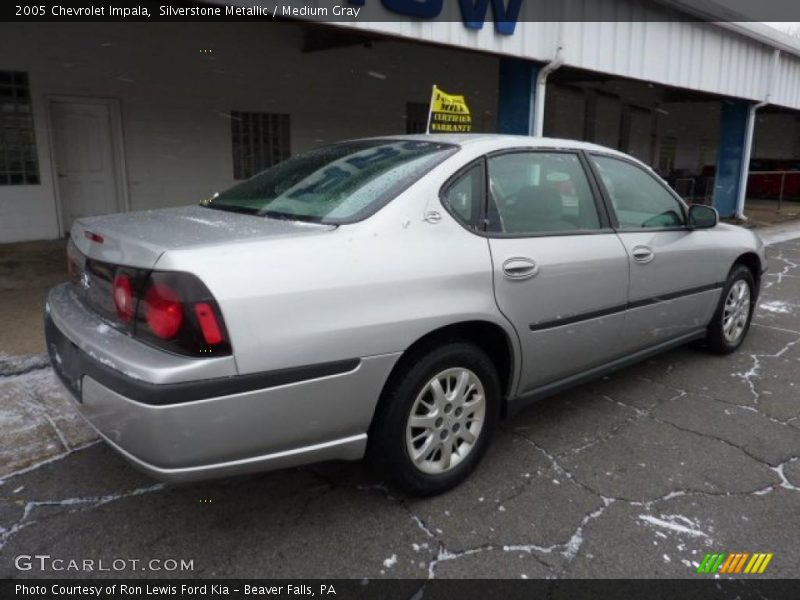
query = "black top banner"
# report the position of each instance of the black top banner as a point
(472, 13)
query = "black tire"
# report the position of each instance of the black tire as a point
(716, 340)
(387, 448)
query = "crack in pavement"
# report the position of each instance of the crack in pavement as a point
(91, 501)
(638, 414)
(383, 490)
(444, 554)
(785, 483)
(568, 549)
(48, 461)
(571, 548)
(647, 414)
(755, 370)
(749, 377)
(789, 266)
(712, 437)
(747, 407)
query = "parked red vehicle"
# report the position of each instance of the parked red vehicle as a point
(767, 176)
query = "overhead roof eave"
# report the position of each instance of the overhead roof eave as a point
(719, 13)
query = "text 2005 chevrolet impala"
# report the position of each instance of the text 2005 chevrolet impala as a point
(391, 297)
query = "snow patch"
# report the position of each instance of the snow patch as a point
(576, 541)
(676, 494)
(528, 548)
(390, 562)
(675, 523)
(776, 306)
(785, 483)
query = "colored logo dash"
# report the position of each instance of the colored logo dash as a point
(734, 563)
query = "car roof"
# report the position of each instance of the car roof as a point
(490, 142)
(497, 141)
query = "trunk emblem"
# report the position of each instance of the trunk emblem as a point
(93, 237)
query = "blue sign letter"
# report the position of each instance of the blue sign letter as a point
(473, 12)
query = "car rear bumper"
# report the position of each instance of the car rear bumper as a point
(215, 426)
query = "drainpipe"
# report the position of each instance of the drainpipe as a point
(748, 137)
(537, 126)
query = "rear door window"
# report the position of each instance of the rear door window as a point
(540, 192)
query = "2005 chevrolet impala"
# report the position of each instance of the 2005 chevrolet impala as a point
(390, 297)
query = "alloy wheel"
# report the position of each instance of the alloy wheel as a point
(445, 420)
(736, 311)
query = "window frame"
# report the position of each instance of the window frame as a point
(23, 148)
(609, 204)
(604, 218)
(239, 162)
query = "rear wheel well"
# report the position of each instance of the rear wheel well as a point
(752, 262)
(491, 338)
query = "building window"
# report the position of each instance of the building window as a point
(18, 162)
(416, 117)
(260, 140)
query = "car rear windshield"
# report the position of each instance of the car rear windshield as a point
(335, 184)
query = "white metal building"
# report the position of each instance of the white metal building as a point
(107, 117)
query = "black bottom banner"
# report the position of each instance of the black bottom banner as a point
(464, 589)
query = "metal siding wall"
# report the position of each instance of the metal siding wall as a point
(787, 84)
(693, 55)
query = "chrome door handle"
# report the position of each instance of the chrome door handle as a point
(520, 268)
(642, 254)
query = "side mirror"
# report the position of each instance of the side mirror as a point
(702, 216)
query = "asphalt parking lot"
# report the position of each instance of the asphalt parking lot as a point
(636, 475)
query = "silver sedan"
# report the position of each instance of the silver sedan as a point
(388, 297)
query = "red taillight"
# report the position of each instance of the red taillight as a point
(163, 311)
(208, 323)
(123, 297)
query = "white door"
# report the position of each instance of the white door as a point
(85, 166)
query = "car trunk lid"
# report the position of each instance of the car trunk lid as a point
(138, 239)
